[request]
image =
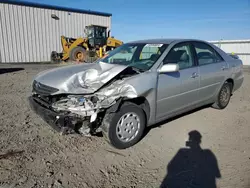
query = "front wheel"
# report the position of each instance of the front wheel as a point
(224, 96)
(124, 128)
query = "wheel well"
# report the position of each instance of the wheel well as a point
(82, 46)
(230, 80)
(143, 103)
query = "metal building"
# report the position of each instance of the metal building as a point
(238, 47)
(29, 32)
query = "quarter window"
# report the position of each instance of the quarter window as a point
(206, 54)
(180, 54)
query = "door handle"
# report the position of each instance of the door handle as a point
(194, 75)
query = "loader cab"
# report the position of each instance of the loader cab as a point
(97, 35)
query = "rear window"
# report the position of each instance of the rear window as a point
(234, 56)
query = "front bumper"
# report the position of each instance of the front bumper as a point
(57, 121)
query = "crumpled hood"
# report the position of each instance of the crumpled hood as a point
(79, 79)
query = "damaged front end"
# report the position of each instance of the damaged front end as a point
(81, 113)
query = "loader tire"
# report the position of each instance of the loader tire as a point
(78, 54)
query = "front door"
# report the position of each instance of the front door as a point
(178, 90)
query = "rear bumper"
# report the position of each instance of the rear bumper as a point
(57, 121)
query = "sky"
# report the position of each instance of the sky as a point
(196, 19)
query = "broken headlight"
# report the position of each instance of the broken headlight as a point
(75, 100)
(76, 104)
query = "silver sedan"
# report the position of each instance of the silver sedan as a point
(136, 85)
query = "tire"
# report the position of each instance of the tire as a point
(54, 57)
(111, 123)
(221, 103)
(74, 54)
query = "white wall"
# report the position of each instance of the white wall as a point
(29, 34)
(239, 47)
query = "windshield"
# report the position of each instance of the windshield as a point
(90, 32)
(140, 56)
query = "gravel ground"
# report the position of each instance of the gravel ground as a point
(36, 156)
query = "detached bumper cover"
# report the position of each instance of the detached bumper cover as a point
(48, 115)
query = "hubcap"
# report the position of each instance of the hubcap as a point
(79, 56)
(225, 95)
(128, 127)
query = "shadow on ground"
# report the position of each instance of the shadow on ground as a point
(158, 125)
(192, 167)
(9, 70)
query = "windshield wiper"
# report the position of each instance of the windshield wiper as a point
(137, 69)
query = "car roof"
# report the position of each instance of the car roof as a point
(163, 41)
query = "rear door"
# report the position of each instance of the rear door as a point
(212, 70)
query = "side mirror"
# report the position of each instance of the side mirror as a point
(169, 68)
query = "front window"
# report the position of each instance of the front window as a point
(181, 55)
(90, 32)
(140, 56)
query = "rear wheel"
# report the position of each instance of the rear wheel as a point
(78, 54)
(124, 128)
(224, 96)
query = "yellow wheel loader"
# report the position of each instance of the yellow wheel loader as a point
(86, 49)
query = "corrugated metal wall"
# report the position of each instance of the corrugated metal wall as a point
(29, 34)
(239, 47)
